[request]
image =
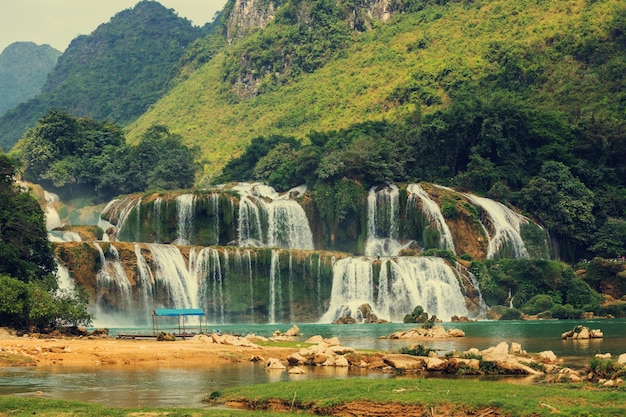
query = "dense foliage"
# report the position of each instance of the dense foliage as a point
(74, 154)
(24, 67)
(30, 297)
(113, 74)
(535, 287)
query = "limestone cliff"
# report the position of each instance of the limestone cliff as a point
(247, 15)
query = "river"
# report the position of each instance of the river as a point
(186, 386)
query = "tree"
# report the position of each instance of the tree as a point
(26, 252)
(563, 204)
(30, 296)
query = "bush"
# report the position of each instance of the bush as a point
(564, 312)
(539, 303)
(511, 314)
(417, 350)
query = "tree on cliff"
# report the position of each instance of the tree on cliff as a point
(30, 297)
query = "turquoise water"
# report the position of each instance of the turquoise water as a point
(186, 386)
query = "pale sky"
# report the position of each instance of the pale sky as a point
(57, 22)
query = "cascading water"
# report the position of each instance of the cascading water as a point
(275, 291)
(353, 286)
(403, 284)
(506, 227)
(382, 222)
(269, 219)
(407, 282)
(63, 236)
(433, 213)
(208, 272)
(113, 289)
(52, 216)
(172, 275)
(64, 279)
(185, 205)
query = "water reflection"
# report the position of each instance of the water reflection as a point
(186, 386)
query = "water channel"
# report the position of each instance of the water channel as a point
(186, 386)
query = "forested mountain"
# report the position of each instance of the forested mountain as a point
(24, 67)
(523, 101)
(113, 74)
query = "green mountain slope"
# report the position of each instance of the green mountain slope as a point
(563, 56)
(113, 74)
(24, 67)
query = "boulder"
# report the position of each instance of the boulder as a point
(315, 339)
(293, 332)
(333, 341)
(341, 362)
(548, 356)
(296, 370)
(339, 350)
(435, 364)
(404, 362)
(274, 363)
(582, 333)
(296, 359)
(622, 359)
(454, 364)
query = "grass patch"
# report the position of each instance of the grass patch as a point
(11, 359)
(444, 395)
(512, 400)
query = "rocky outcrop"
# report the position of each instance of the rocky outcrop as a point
(247, 15)
(581, 333)
(421, 332)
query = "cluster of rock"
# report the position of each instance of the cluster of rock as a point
(365, 315)
(227, 339)
(500, 359)
(425, 332)
(323, 352)
(581, 333)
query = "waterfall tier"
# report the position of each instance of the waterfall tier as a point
(386, 222)
(128, 281)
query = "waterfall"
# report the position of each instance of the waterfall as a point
(156, 212)
(248, 258)
(52, 216)
(353, 286)
(146, 280)
(172, 275)
(125, 214)
(403, 284)
(63, 236)
(275, 292)
(208, 272)
(506, 227)
(113, 289)
(382, 222)
(185, 208)
(425, 281)
(433, 213)
(215, 202)
(64, 279)
(272, 220)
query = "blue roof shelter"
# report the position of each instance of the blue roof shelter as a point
(180, 314)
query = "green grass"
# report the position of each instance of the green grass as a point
(460, 395)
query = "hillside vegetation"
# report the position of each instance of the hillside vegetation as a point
(24, 67)
(561, 57)
(113, 74)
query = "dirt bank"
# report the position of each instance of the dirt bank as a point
(28, 351)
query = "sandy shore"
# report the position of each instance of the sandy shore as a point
(28, 351)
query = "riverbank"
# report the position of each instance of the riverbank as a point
(82, 352)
